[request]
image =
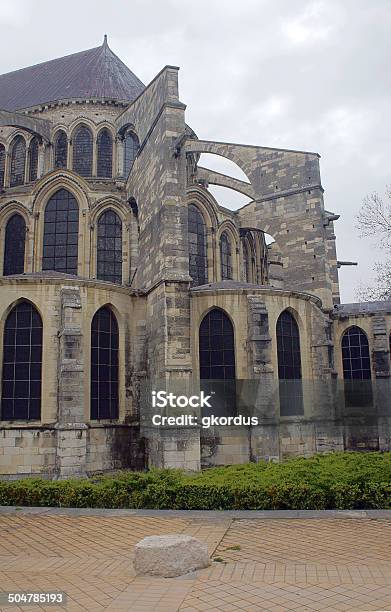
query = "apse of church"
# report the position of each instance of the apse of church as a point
(119, 267)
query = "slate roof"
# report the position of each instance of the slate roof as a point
(364, 308)
(95, 73)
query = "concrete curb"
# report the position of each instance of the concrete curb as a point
(201, 514)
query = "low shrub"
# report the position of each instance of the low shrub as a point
(339, 480)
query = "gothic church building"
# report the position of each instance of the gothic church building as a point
(119, 266)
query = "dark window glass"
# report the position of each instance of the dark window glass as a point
(131, 146)
(356, 367)
(109, 260)
(22, 364)
(82, 151)
(198, 261)
(33, 159)
(15, 238)
(2, 165)
(61, 150)
(217, 351)
(226, 257)
(217, 362)
(61, 229)
(289, 365)
(104, 365)
(105, 154)
(18, 161)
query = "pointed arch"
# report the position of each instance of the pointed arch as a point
(131, 147)
(104, 383)
(197, 236)
(82, 150)
(33, 159)
(22, 363)
(226, 265)
(61, 150)
(17, 161)
(105, 154)
(61, 233)
(217, 346)
(109, 247)
(14, 245)
(289, 365)
(356, 362)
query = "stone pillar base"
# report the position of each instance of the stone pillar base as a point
(71, 452)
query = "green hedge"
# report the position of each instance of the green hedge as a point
(340, 480)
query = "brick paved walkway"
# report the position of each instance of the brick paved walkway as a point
(265, 564)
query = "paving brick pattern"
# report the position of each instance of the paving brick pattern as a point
(275, 565)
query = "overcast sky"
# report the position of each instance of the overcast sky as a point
(300, 74)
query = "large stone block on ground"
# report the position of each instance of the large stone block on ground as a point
(170, 555)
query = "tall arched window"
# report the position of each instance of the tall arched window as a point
(131, 146)
(225, 257)
(33, 159)
(61, 150)
(104, 365)
(82, 151)
(2, 165)
(22, 364)
(109, 256)
(18, 161)
(198, 261)
(356, 363)
(61, 231)
(217, 350)
(105, 154)
(217, 361)
(289, 365)
(247, 260)
(14, 245)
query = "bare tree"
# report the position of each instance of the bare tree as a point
(374, 219)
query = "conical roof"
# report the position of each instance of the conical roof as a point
(95, 73)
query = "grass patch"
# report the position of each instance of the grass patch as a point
(338, 480)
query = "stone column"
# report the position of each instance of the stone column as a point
(262, 386)
(71, 428)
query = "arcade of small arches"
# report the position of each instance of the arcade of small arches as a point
(59, 231)
(90, 151)
(22, 359)
(220, 252)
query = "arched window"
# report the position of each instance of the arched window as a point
(61, 231)
(2, 165)
(131, 146)
(33, 159)
(105, 154)
(104, 365)
(247, 261)
(14, 245)
(217, 350)
(61, 150)
(198, 261)
(109, 257)
(18, 161)
(22, 364)
(225, 257)
(217, 362)
(356, 363)
(82, 151)
(289, 365)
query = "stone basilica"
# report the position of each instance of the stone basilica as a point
(118, 266)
